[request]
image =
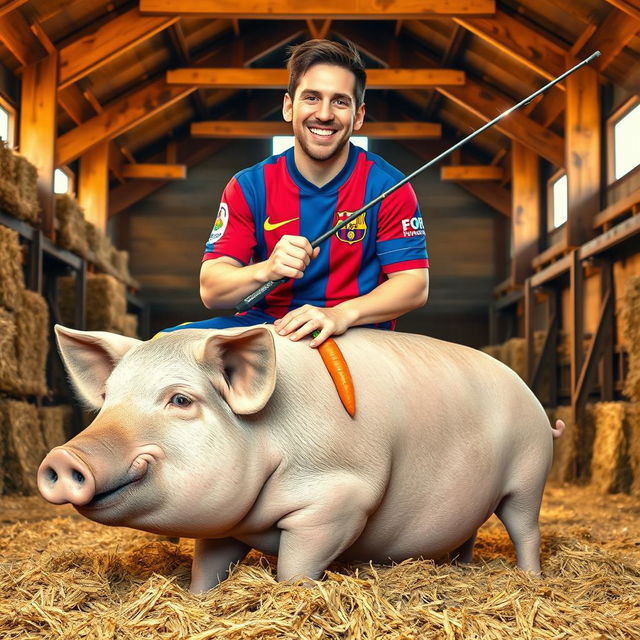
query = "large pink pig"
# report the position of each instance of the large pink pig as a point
(237, 438)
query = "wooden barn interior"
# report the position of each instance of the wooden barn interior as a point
(122, 121)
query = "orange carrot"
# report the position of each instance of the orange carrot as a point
(339, 372)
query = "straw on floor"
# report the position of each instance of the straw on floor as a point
(69, 578)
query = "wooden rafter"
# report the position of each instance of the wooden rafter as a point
(112, 38)
(20, 39)
(266, 129)
(118, 117)
(318, 9)
(483, 101)
(630, 7)
(615, 32)
(10, 5)
(237, 78)
(522, 42)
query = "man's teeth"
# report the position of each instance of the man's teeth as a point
(321, 132)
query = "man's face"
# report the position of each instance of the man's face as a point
(323, 111)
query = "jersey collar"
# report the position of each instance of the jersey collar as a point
(334, 183)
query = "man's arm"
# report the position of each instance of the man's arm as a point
(402, 292)
(224, 281)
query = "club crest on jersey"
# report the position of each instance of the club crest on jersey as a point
(220, 225)
(354, 231)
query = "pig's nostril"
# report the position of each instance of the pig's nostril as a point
(52, 476)
(77, 476)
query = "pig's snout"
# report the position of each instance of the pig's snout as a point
(63, 477)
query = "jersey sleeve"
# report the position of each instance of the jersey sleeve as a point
(401, 242)
(233, 232)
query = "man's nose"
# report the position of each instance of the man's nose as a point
(325, 112)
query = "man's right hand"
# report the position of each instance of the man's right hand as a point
(289, 258)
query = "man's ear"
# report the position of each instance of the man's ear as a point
(89, 358)
(359, 120)
(287, 108)
(242, 365)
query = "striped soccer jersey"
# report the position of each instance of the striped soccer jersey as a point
(271, 199)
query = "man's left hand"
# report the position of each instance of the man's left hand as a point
(329, 321)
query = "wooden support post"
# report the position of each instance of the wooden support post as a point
(606, 364)
(582, 150)
(38, 130)
(525, 216)
(529, 303)
(93, 184)
(576, 330)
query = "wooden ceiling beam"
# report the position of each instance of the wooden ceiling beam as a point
(318, 9)
(118, 116)
(243, 78)
(10, 5)
(155, 171)
(483, 101)
(520, 41)
(266, 129)
(190, 153)
(110, 39)
(630, 7)
(20, 40)
(615, 32)
(471, 172)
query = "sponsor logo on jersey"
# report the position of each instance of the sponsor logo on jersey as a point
(353, 231)
(272, 226)
(220, 225)
(413, 227)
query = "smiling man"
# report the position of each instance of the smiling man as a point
(370, 272)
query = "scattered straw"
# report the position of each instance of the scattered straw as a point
(70, 578)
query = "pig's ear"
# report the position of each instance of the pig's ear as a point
(89, 357)
(243, 367)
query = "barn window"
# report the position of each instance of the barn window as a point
(624, 135)
(558, 200)
(282, 143)
(7, 122)
(63, 181)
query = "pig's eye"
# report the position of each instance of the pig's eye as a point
(180, 400)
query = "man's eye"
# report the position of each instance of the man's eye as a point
(180, 400)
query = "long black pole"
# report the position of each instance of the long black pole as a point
(267, 287)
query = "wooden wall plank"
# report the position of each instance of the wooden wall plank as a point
(582, 140)
(525, 218)
(93, 184)
(318, 9)
(38, 129)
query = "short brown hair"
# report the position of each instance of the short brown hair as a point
(304, 56)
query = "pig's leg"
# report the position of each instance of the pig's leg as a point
(212, 560)
(464, 553)
(519, 514)
(314, 536)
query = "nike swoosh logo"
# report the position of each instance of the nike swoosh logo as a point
(270, 226)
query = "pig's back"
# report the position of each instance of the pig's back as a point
(445, 431)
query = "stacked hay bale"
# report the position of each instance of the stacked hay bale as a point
(24, 345)
(100, 247)
(106, 303)
(71, 230)
(18, 186)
